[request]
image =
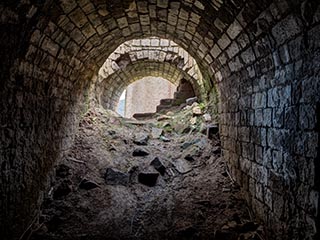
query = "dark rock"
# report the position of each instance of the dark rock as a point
(140, 152)
(157, 164)
(148, 179)
(133, 173)
(141, 139)
(192, 100)
(115, 177)
(212, 130)
(185, 145)
(63, 189)
(62, 171)
(87, 184)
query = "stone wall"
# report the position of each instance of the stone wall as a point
(270, 87)
(144, 95)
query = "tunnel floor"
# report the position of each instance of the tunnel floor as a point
(177, 187)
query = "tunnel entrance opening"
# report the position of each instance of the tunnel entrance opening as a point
(145, 95)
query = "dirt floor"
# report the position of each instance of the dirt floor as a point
(127, 179)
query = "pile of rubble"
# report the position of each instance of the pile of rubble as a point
(162, 178)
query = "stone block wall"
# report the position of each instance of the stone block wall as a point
(269, 83)
(144, 95)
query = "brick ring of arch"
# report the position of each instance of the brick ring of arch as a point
(262, 56)
(140, 58)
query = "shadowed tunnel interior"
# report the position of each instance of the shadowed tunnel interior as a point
(259, 61)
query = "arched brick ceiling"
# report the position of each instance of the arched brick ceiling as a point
(137, 58)
(74, 38)
(110, 89)
(150, 49)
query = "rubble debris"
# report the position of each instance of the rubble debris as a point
(158, 165)
(88, 184)
(115, 177)
(148, 179)
(140, 152)
(141, 139)
(156, 132)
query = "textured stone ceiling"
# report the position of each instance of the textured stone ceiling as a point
(140, 58)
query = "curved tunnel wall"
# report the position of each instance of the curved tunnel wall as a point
(265, 59)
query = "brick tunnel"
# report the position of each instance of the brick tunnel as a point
(259, 59)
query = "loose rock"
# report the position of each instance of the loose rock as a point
(190, 101)
(140, 152)
(182, 166)
(88, 185)
(148, 179)
(196, 111)
(157, 164)
(156, 132)
(141, 139)
(207, 117)
(115, 177)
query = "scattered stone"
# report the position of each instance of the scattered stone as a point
(185, 145)
(115, 177)
(193, 120)
(157, 164)
(156, 132)
(190, 101)
(182, 128)
(141, 139)
(87, 184)
(63, 189)
(196, 111)
(212, 130)
(148, 179)
(207, 117)
(140, 152)
(182, 166)
(164, 139)
(62, 171)
(163, 117)
(133, 173)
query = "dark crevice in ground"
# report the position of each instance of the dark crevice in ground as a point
(175, 187)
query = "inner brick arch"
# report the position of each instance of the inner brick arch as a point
(109, 90)
(264, 55)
